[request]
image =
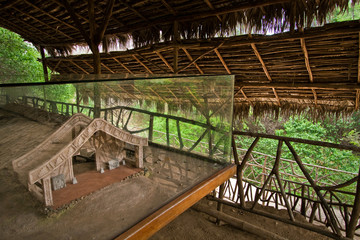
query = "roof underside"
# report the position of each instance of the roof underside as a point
(316, 68)
(49, 23)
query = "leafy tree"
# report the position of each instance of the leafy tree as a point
(18, 59)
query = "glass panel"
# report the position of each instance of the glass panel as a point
(187, 122)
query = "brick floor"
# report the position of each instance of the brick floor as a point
(89, 182)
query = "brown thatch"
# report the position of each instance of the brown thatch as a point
(50, 24)
(316, 68)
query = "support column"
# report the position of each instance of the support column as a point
(43, 60)
(139, 154)
(47, 192)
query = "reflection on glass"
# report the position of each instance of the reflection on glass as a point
(187, 120)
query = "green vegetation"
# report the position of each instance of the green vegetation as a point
(18, 59)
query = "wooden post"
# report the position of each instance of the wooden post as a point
(219, 204)
(176, 48)
(151, 128)
(47, 191)
(350, 230)
(43, 60)
(167, 133)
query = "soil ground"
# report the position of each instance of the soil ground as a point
(106, 213)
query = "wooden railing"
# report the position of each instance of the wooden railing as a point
(294, 186)
(123, 117)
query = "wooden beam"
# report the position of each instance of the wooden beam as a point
(222, 61)
(212, 8)
(191, 93)
(172, 93)
(307, 62)
(358, 79)
(164, 60)
(276, 96)
(191, 59)
(357, 100)
(103, 64)
(57, 64)
(132, 95)
(247, 99)
(201, 56)
(127, 69)
(324, 86)
(261, 61)
(8, 4)
(153, 223)
(157, 94)
(89, 65)
(142, 64)
(77, 22)
(105, 21)
(43, 60)
(82, 69)
(43, 23)
(49, 15)
(168, 7)
(151, 62)
(315, 96)
(176, 49)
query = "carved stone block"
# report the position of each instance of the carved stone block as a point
(113, 164)
(58, 182)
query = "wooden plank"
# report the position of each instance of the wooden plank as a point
(261, 61)
(153, 223)
(168, 7)
(212, 8)
(43, 60)
(323, 86)
(307, 62)
(222, 61)
(358, 79)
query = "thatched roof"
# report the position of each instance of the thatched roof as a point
(58, 25)
(316, 68)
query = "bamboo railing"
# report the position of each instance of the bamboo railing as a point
(295, 186)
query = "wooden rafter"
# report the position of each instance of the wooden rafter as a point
(106, 19)
(104, 65)
(127, 92)
(307, 62)
(121, 64)
(212, 8)
(276, 96)
(151, 62)
(88, 64)
(77, 22)
(191, 59)
(358, 77)
(191, 93)
(157, 94)
(168, 7)
(43, 23)
(315, 96)
(151, 97)
(136, 12)
(164, 60)
(57, 64)
(247, 99)
(261, 61)
(222, 61)
(82, 69)
(147, 69)
(49, 15)
(357, 100)
(172, 93)
(200, 57)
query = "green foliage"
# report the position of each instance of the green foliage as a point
(353, 13)
(18, 59)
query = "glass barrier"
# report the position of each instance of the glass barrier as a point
(175, 130)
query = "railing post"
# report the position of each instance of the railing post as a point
(219, 204)
(151, 128)
(303, 201)
(350, 230)
(167, 132)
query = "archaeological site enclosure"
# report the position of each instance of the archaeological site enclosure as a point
(145, 115)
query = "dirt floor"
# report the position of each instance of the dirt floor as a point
(106, 213)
